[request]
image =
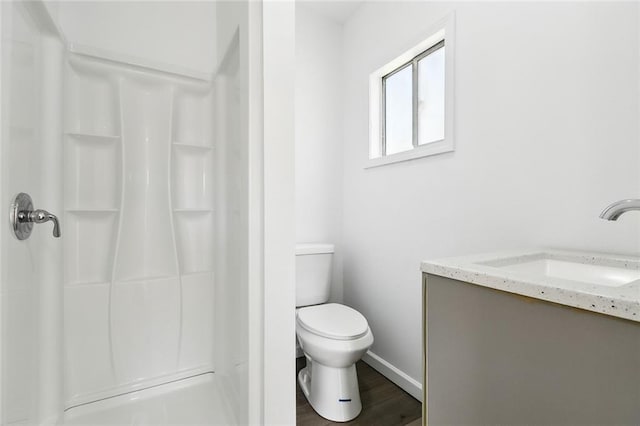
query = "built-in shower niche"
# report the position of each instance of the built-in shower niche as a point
(193, 115)
(192, 177)
(92, 171)
(91, 99)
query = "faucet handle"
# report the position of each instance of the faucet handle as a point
(42, 216)
(22, 217)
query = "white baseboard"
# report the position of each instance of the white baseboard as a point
(397, 376)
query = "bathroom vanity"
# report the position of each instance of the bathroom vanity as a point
(536, 337)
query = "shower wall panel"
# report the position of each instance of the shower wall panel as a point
(21, 128)
(139, 222)
(232, 232)
(31, 270)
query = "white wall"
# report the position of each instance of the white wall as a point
(172, 32)
(279, 211)
(546, 136)
(318, 124)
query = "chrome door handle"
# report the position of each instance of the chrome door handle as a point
(23, 216)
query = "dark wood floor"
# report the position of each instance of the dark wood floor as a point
(383, 403)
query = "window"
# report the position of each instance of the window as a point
(411, 102)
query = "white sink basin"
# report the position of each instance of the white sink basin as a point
(609, 276)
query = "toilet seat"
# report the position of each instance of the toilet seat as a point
(333, 321)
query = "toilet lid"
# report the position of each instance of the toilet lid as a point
(334, 321)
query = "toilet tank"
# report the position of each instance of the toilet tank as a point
(313, 273)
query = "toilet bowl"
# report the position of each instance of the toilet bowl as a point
(333, 338)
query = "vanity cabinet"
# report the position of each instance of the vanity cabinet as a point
(495, 357)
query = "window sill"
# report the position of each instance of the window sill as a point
(434, 148)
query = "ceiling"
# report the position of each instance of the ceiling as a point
(338, 10)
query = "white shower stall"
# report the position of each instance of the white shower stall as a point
(139, 125)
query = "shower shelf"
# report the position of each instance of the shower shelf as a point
(92, 137)
(192, 146)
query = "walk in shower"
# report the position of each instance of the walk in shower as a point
(139, 313)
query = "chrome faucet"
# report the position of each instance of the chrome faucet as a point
(615, 210)
(23, 216)
(40, 216)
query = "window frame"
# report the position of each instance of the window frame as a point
(440, 34)
(413, 63)
(383, 106)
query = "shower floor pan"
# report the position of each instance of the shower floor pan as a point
(196, 400)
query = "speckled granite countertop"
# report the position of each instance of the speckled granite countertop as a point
(495, 270)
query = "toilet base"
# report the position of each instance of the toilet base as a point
(332, 392)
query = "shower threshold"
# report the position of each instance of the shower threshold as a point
(198, 400)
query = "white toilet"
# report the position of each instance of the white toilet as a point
(332, 336)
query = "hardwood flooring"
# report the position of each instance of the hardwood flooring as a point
(383, 403)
